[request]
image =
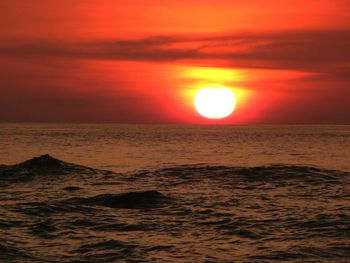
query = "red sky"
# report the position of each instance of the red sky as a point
(141, 61)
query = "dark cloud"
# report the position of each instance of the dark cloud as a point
(321, 51)
(67, 91)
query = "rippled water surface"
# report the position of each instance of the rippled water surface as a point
(125, 148)
(174, 193)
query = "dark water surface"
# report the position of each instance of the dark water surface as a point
(188, 209)
(52, 211)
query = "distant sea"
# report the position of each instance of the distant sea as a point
(174, 193)
(123, 148)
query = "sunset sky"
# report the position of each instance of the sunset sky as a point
(142, 61)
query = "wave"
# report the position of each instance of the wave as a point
(48, 165)
(42, 166)
(276, 174)
(130, 200)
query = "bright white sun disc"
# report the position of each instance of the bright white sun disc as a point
(215, 103)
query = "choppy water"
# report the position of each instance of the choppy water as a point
(211, 195)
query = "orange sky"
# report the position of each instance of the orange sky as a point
(142, 61)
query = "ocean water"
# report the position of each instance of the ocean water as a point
(125, 148)
(167, 193)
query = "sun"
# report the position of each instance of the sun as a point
(215, 102)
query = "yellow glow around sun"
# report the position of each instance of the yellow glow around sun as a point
(214, 75)
(214, 93)
(215, 102)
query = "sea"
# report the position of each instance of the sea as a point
(174, 193)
